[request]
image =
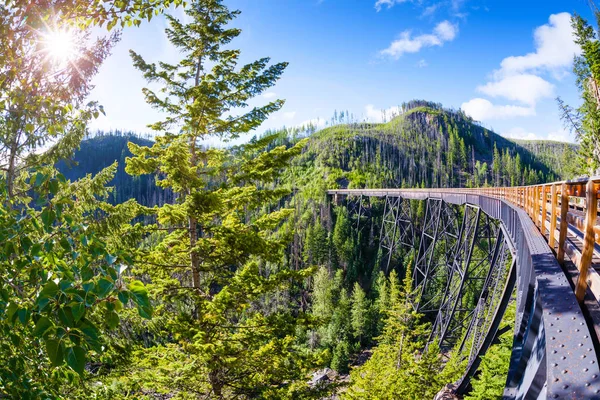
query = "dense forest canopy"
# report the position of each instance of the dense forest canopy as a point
(159, 267)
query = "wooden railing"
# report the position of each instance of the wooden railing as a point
(558, 208)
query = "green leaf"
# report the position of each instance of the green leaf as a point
(11, 311)
(50, 289)
(145, 311)
(64, 242)
(76, 359)
(124, 297)
(112, 319)
(55, 351)
(42, 326)
(88, 286)
(36, 249)
(48, 217)
(66, 316)
(39, 179)
(110, 260)
(26, 243)
(139, 295)
(23, 314)
(53, 186)
(42, 303)
(78, 310)
(104, 287)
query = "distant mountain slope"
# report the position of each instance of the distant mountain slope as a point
(560, 156)
(426, 146)
(101, 151)
(429, 146)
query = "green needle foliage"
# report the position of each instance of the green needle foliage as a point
(584, 121)
(398, 367)
(215, 262)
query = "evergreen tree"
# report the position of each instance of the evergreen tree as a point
(491, 379)
(585, 120)
(219, 256)
(398, 368)
(341, 357)
(360, 313)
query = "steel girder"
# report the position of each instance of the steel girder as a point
(449, 318)
(359, 209)
(490, 297)
(491, 307)
(397, 228)
(436, 253)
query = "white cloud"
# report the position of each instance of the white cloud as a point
(269, 95)
(373, 114)
(430, 10)
(316, 122)
(517, 132)
(554, 48)
(481, 110)
(388, 3)
(443, 32)
(446, 31)
(289, 114)
(523, 79)
(520, 133)
(560, 135)
(422, 64)
(525, 88)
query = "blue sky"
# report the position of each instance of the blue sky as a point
(502, 61)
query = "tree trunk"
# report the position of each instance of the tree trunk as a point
(193, 254)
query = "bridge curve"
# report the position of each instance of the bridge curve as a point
(555, 343)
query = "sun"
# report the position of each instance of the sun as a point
(60, 46)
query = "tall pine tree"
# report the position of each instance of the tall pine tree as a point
(218, 256)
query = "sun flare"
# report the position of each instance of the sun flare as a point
(60, 46)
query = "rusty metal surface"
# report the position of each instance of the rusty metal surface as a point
(553, 354)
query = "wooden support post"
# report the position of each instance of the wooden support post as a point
(554, 204)
(591, 212)
(530, 201)
(536, 205)
(564, 209)
(544, 210)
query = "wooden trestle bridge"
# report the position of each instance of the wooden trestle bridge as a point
(536, 245)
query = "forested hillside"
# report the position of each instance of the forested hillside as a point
(429, 146)
(105, 148)
(426, 146)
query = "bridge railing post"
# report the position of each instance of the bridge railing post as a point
(527, 201)
(591, 212)
(522, 198)
(536, 211)
(544, 210)
(553, 217)
(564, 210)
